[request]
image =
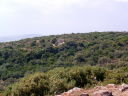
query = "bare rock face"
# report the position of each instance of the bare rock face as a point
(108, 90)
(102, 93)
(73, 91)
(84, 94)
(123, 87)
(100, 88)
(111, 86)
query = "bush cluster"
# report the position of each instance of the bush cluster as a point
(56, 81)
(60, 80)
(38, 54)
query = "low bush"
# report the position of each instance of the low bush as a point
(60, 80)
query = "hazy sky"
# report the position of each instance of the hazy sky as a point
(62, 16)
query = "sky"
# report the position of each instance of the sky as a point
(48, 17)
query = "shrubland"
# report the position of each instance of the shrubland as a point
(62, 79)
(59, 62)
(19, 58)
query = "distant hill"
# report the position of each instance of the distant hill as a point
(17, 37)
(107, 49)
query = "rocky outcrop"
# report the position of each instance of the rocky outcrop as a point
(84, 94)
(72, 92)
(108, 90)
(111, 86)
(123, 87)
(102, 93)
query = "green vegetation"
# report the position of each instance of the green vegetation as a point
(41, 54)
(62, 79)
(38, 54)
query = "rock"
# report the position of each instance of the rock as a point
(111, 86)
(102, 93)
(74, 89)
(123, 87)
(101, 88)
(84, 94)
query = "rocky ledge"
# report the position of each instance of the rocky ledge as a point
(108, 90)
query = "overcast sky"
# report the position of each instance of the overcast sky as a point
(47, 17)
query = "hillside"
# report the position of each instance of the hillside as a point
(74, 79)
(40, 54)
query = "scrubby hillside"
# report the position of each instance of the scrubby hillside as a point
(107, 49)
(60, 80)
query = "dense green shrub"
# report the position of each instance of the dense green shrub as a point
(107, 49)
(33, 85)
(117, 76)
(56, 81)
(62, 79)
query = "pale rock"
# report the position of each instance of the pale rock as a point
(102, 93)
(74, 89)
(123, 87)
(84, 94)
(111, 86)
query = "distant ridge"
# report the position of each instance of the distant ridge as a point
(17, 37)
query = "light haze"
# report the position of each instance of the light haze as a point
(46, 17)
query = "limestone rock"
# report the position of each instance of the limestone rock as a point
(102, 93)
(74, 89)
(123, 87)
(111, 86)
(84, 94)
